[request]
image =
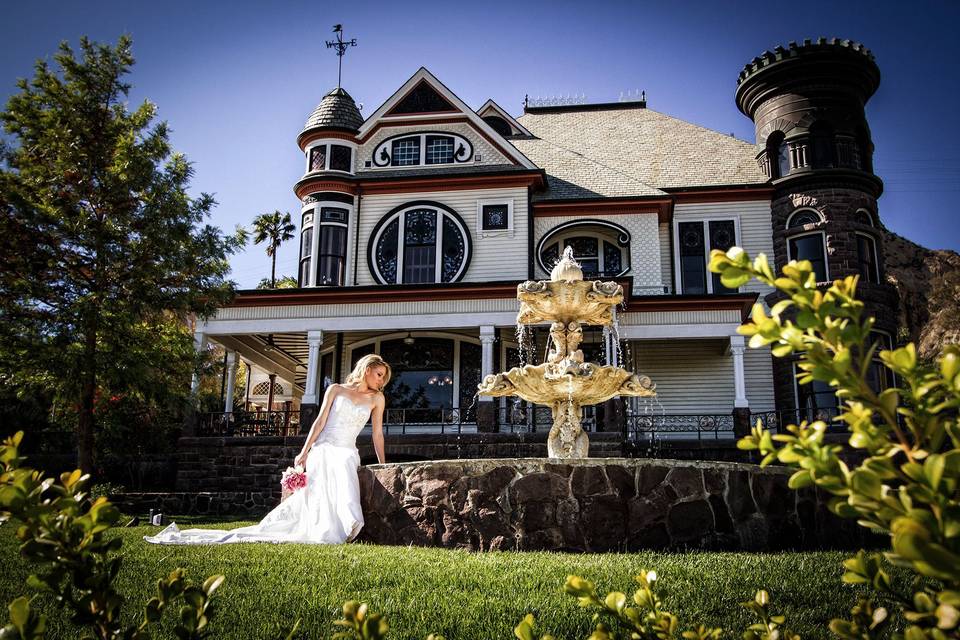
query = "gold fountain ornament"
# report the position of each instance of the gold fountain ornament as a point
(565, 382)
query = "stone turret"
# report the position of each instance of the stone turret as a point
(807, 103)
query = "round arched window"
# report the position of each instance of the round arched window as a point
(802, 217)
(602, 249)
(420, 242)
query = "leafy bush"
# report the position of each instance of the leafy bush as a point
(63, 532)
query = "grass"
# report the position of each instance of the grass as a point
(462, 595)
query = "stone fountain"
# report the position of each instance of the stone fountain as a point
(565, 382)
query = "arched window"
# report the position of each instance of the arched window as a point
(602, 249)
(867, 262)
(778, 155)
(421, 242)
(499, 125)
(863, 216)
(823, 145)
(802, 217)
(415, 149)
(808, 246)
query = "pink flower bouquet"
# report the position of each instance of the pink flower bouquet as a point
(293, 478)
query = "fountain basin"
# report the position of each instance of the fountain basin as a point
(594, 504)
(584, 301)
(568, 381)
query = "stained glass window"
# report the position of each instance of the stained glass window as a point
(439, 149)
(340, 158)
(495, 217)
(693, 266)
(318, 158)
(386, 252)
(585, 251)
(723, 235)
(406, 152)
(453, 250)
(550, 255)
(612, 259)
(801, 218)
(422, 252)
(420, 246)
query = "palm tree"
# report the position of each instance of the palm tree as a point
(274, 229)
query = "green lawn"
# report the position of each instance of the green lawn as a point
(459, 594)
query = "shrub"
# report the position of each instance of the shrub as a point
(63, 532)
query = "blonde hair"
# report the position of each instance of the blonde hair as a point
(366, 362)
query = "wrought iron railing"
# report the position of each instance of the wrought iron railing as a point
(647, 426)
(249, 423)
(521, 418)
(778, 420)
(427, 420)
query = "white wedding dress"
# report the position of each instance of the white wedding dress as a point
(326, 511)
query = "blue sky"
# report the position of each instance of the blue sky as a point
(236, 80)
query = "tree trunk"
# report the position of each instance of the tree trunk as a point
(88, 396)
(273, 270)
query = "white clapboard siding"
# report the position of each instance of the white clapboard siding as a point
(666, 268)
(692, 376)
(496, 256)
(758, 374)
(756, 235)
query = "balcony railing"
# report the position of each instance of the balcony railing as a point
(650, 426)
(778, 420)
(249, 423)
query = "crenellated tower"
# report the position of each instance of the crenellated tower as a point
(807, 103)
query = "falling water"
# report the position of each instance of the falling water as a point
(615, 328)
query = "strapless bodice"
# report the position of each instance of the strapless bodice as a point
(344, 423)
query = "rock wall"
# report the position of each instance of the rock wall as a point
(594, 505)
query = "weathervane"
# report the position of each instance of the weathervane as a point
(341, 46)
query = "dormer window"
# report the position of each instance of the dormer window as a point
(433, 148)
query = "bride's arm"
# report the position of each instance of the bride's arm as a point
(318, 424)
(377, 420)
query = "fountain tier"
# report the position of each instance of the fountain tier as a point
(565, 382)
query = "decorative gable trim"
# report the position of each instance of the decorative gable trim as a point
(421, 99)
(385, 115)
(491, 108)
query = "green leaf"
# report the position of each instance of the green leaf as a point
(615, 601)
(933, 468)
(20, 612)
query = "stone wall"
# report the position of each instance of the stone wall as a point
(594, 505)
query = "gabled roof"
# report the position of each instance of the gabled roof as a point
(491, 108)
(416, 82)
(607, 150)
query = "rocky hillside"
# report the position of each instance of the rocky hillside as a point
(928, 282)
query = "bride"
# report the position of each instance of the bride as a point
(327, 509)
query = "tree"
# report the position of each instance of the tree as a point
(283, 282)
(101, 242)
(274, 229)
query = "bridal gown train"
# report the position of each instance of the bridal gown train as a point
(326, 511)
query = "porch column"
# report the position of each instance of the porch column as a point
(739, 384)
(231, 374)
(741, 406)
(486, 407)
(190, 415)
(309, 403)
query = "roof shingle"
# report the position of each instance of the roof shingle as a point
(631, 151)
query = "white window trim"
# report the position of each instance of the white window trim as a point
(803, 210)
(705, 220)
(315, 208)
(489, 233)
(876, 258)
(438, 257)
(823, 243)
(869, 215)
(422, 163)
(326, 161)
